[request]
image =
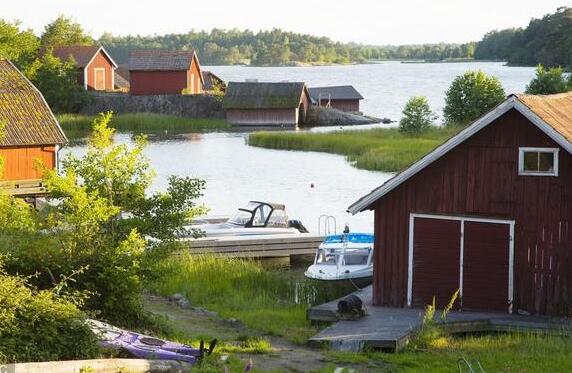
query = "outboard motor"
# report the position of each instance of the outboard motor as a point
(298, 225)
(351, 307)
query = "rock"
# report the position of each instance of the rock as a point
(184, 303)
(234, 323)
(176, 297)
(322, 116)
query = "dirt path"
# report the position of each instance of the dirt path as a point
(285, 357)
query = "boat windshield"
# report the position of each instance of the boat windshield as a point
(356, 258)
(326, 257)
(241, 217)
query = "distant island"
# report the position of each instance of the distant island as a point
(544, 41)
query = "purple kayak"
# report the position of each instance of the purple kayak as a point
(146, 347)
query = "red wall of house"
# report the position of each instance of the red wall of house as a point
(166, 82)
(20, 162)
(480, 178)
(100, 61)
(343, 105)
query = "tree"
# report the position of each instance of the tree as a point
(549, 81)
(471, 95)
(57, 80)
(417, 116)
(19, 46)
(63, 31)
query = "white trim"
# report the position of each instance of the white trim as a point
(113, 78)
(523, 172)
(85, 78)
(95, 70)
(512, 102)
(462, 219)
(101, 49)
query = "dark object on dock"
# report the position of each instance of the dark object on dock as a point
(351, 307)
(386, 121)
(298, 225)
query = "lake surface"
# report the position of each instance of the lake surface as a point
(385, 86)
(309, 183)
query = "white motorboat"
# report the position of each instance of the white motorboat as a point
(256, 218)
(343, 257)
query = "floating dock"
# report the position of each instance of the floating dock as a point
(268, 246)
(392, 328)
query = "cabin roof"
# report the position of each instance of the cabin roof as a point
(255, 95)
(160, 60)
(82, 54)
(25, 115)
(552, 114)
(210, 80)
(120, 81)
(341, 92)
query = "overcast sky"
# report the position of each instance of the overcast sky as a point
(363, 21)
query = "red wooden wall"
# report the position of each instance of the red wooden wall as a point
(100, 61)
(166, 82)
(262, 116)
(20, 162)
(343, 105)
(480, 178)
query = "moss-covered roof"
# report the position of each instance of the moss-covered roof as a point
(250, 95)
(24, 114)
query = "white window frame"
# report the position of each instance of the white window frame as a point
(522, 150)
(95, 79)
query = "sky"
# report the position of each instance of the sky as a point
(377, 22)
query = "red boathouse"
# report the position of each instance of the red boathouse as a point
(488, 213)
(95, 67)
(159, 72)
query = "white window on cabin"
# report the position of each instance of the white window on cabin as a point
(538, 161)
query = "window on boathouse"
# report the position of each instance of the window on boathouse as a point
(538, 161)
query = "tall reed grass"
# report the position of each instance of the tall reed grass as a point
(379, 149)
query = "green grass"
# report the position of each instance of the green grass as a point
(379, 149)
(76, 125)
(522, 353)
(270, 301)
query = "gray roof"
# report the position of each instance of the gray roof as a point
(82, 54)
(342, 92)
(249, 95)
(160, 60)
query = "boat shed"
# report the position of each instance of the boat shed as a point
(344, 97)
(30, 132)
(270, 104)
(160, 72)
(96, 68)
(213, 83)
(487, 213)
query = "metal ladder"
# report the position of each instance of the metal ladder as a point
(474, 366)
(325, 222)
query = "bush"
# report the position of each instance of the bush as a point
(549, 81)
(417, 116)
(470, 96)
(39, 326)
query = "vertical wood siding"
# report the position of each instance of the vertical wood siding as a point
(343, 105)
(157, 82)
(480, 178)
(20, 162)
(100, 61)
(262, 116)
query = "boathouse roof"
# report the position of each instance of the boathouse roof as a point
(161, 60)
(257, 95)
(341, 92)
(26, 117)
(211, 79)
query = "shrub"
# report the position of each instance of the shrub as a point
(549, 81)
(470, 96)
(39, 325)
(417, 116)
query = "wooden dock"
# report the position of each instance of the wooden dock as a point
(392, 328)
(24, 188)
(270, 246)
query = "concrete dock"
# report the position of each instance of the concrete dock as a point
(392, 328)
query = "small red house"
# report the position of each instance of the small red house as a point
(30, 132)
(96, 68)
(266, 104)
(159, 72)
(344, 97)
(488, 213)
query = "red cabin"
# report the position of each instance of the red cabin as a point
(158, 72)
(96, 68)
(488, 213)
(344, 97)
(30, 133)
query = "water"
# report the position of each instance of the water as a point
(236, 173)
(385, 86)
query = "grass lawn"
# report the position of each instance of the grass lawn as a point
(379, 149)
(523, 353)
(76, 125)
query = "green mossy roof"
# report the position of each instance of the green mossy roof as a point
(263, 95)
